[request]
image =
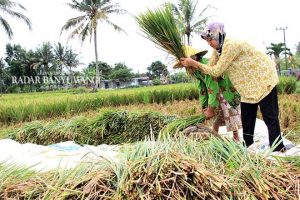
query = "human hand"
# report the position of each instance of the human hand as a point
(209, 112)
(188, 62)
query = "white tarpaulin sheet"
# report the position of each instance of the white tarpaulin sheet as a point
(62, 155)
(261, 141)
(68, 154)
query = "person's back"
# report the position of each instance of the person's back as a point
(252, 72)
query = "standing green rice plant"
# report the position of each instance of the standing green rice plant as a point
(287, 85)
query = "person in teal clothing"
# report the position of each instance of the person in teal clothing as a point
(217, 96)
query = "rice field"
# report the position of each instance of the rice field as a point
(289, 118)
(28, 107)
(157, 162)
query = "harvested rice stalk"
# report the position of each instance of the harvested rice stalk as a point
(159, 26)
(96, 185)
(172, 176)
(111, 127)
(34, 188)
(182, 123)
(258, 177)
(272, 183)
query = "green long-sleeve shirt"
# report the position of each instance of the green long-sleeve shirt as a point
(209, 89)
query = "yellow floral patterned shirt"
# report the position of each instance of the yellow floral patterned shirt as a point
(252, 73)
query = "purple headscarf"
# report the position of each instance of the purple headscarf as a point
(215, 31)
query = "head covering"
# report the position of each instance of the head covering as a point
(190, 51)
(215, 31)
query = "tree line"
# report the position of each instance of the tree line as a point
(49, 59)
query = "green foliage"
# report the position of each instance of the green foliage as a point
(105, 69)
(287, 85)
(72, 60)
(46, 58)
(157, 69)
(156, 81)
(276, 50)
(120, 66)
(121, 74)
(180, 77)
(33, 63)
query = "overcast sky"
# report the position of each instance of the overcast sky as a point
(251, 20)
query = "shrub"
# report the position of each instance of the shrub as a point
(156, 81)
(287, 85)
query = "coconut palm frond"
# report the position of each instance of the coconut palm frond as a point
(205, 9)
(198, 26)
(117, 11)
(85, 32)
(73, 22)
(76, 5)
(6, 27)
(159, 27)
(116, 27)
(76, 31)
(6, 7)
(19, 16)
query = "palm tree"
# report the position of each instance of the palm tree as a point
(188, 20)
(71, 60)
(6, 7)
(95, 11)
(45, 57)
(276, 50)
(60, 56)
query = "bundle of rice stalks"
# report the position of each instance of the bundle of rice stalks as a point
(96, 185)
(272, 183)
(110, 127)
(31, 189)
(254, 175)
(295, 160)
(182, 123)
(165, 169)
(159, 26)
(171, 176)
(39, 132)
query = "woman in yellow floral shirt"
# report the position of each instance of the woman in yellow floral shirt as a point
(253, 75)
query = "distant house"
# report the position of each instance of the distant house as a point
(113, 84)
